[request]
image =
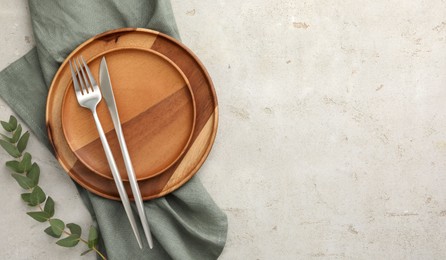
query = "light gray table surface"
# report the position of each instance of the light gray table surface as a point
(332, 133)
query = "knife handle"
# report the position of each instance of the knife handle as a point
(133, 182)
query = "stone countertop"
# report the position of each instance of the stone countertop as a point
(332, 132)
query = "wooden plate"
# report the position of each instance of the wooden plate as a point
(156, 108)
(206, 119)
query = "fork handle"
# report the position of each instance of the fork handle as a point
(117, 177)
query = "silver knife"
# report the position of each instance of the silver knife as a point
(107, 92)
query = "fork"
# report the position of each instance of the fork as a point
(88, 95)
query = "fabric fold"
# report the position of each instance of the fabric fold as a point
(186, 224)
(23, 88)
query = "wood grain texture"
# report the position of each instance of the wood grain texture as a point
(206, 118)
(156, 107)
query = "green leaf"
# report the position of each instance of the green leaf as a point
(26, 162)
(40, 216)
(34, 173)
(7, 138)
(92, 237)
(50, 232)
(7, 126)
(49, 206)
(16, 135)
(25, 196)
(13, 122)
(74, 229)
(21, 145)
(70, 241)
(10, 148)
(86, 252)
(23, 181)
(57, 226)
(15, 166)
(37, 196)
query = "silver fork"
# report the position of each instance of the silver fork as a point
(88, 95)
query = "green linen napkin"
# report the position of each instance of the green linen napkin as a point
(186, 224)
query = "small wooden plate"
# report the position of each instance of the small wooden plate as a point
(156, 108)
(206, 117)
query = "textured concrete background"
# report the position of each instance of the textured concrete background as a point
(332, 136)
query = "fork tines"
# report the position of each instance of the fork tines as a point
(84, 81)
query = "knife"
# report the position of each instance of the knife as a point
(107, 92)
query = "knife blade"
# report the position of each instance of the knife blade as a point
(107, 93)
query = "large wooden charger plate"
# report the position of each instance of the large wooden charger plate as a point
(206, 118)
(156, 109)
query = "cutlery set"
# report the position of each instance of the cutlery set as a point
(88, 94)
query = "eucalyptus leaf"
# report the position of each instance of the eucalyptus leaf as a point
(92, 237)
(37, 196)
(17, 134)
(49, 231)
(74, 229)
(32, 203)
(7, 138)
(23, 181)
(70, 241)
(40, 216)
(21, 145)
(49, 206)
(7, 126)
(15, 166)
(26, 162)
(25, 196)
(34, 173)
(57, 226)
(86, 252)
(13, 122)
(10, 148)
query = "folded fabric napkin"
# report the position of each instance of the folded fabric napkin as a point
(186, 224)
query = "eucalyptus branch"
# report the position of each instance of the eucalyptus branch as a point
(27, 174)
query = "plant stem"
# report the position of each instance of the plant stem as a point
(94, 248)
(99, 253)
(86, 242)
(30, 190)
(80, 239)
